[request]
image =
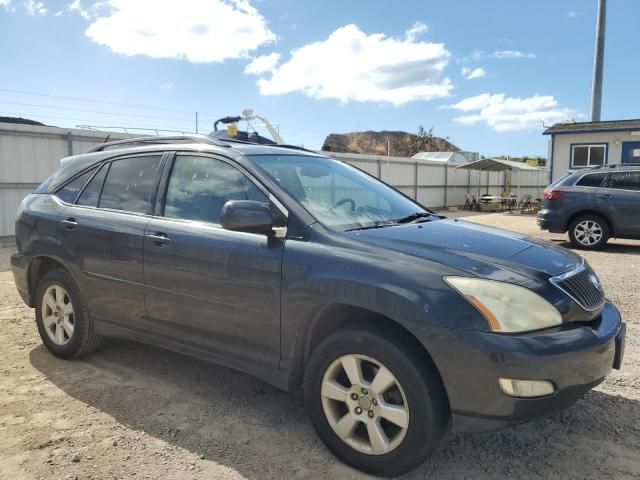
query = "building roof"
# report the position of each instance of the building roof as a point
(440, 156)
(498, 165)
(585, 127)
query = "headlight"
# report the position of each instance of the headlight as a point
(508, 308)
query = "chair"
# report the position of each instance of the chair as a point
(467, 202)
(525, 204)
(509, 201)
(474, 203)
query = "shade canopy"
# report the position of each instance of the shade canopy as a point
(498, 165)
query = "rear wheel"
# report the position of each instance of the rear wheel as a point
(378, 407)
(589, 232)
(63, 321)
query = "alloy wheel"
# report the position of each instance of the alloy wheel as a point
(365, 404)
(57, 315)
(588, 232)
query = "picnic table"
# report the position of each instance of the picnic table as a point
(498, 200)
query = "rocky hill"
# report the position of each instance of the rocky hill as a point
(20, 120)
(400, 143)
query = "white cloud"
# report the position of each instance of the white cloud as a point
(5, 3)
(572, 14)
(351, 65)
(35, 8)
(471, 73)
(512, 54)
(415, 31)
(166, 86)
(59, 13)
(503, 113)
(200, 31)
(262, 64)
(501, 54)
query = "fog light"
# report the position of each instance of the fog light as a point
(526, 388)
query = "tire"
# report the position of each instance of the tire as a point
(73, 334)
(589, 232)
(418, 390)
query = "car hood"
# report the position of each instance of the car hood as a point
(477, 249)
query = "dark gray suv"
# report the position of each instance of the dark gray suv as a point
(395, 323)
(594, 205)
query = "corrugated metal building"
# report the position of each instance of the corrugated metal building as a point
(28, 155)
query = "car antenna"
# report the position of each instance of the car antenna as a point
(107, 139)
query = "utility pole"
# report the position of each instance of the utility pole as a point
(196, 122)
(596, 90)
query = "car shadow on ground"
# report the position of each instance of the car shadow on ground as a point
(609, 248)
(252, 428)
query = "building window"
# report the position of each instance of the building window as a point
(588, 155)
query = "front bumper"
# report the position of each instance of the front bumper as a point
(574, 358)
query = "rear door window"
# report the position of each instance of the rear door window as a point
(69, 192)
(592, 180)
(129, 183)
(200, 186)
(625, 180)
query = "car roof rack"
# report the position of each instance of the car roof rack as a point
(160, 140)
(276, 145)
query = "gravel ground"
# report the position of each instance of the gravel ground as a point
(134, 411)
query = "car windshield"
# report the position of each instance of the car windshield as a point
(336, 194)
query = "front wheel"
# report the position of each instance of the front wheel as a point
(589, 232)
(378, 407)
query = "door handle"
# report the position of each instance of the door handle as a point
(159, 239)
(70, 223)
(606, 196)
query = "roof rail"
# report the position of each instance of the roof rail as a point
(277, 145)
(160, 140)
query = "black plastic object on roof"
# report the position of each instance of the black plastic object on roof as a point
(242, 136)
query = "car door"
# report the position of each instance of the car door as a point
(622, 197)
(208, 287)
(102, 234)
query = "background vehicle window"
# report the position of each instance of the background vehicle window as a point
(200, 186)
(592, 180)
(91, 192)
(625, 181)
(129, 183)
(70, 191)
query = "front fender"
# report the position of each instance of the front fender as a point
(405, 289)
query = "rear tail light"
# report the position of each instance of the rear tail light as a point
(552, 194)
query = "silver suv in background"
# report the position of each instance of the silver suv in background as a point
(594, 205)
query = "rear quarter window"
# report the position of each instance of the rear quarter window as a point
(591, 180)
(70, 190)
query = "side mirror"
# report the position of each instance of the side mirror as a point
(247, 216)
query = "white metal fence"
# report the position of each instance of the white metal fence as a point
(29, 154)
(440, 184)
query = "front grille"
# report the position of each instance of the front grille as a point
(583, 286)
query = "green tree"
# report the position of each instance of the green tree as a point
(422, 141)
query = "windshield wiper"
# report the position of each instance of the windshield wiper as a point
(369, 227)
(415, 216)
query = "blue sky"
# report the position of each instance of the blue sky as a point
(486, 74)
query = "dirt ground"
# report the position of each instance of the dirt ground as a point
(134, 411)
